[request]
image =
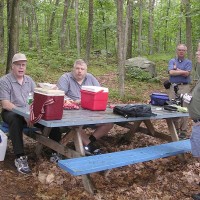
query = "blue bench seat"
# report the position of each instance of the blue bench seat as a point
(91, 164)
(4, 127)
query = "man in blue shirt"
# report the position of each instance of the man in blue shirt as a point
(71, 84)
(179, 69)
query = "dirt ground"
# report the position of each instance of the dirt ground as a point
(166, 179)
(161, 179)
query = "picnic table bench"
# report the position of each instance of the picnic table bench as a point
(96, 163)
(4, 127)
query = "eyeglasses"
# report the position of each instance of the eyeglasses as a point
(20, 65)
(181, 49)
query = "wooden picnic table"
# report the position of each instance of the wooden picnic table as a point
(76, 119)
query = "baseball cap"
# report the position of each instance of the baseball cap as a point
(18, 57)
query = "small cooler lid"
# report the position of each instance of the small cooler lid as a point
(49, 92)
(94, 88)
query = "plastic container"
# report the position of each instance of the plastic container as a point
(159, 99)
(52, 111)
(94, 97)
(3, 145)
(30, 98)
(94, 88)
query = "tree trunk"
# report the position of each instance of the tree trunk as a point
(68, 36)
(36, 31)
(105, 31)
(187, 12)
(140, 28)
(1, 32)
(179, 33)
(63, 26)
(120, 46)
(30, 25)
(13, 35)
(166, 26)
(130, 28)
(50, 32)
(151, 24)
(89, 31)
(78, 40)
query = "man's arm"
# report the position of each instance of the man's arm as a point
(7, 105)
(175, 71)
(179, 72)
(63, 83)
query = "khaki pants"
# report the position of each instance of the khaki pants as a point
(180, 123)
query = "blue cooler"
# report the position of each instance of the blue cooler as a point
(159, 99)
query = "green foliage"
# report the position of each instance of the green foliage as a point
(51, 63)
(137, 73)
(161, 61)
(100, 67)
(165, 57)
(114, 97)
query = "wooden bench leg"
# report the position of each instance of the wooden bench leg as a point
(69, 136)
(88, 184)
(39, 146)
(127, 136)
(172, 129)
(174, 134)
(86, 179)
(150, 127)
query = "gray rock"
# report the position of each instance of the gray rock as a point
(142, 63)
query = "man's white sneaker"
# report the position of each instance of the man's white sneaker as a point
(22, 165)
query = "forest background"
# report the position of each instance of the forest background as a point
(54, 33)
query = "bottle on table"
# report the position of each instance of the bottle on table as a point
(30, 98)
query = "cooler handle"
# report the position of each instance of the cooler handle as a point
(34, 119)
(100, 91)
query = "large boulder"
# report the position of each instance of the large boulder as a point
(142, 63)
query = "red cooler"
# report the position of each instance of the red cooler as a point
(48, 104)
(94, 97)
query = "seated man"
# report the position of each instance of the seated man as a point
(71, 84)
(15, 88)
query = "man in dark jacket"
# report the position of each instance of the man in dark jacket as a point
(194, 112)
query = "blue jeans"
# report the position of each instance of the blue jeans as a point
(195, 140)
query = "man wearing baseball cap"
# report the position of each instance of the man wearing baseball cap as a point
(19, 57)
(15, 88)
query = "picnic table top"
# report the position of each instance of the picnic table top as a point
(87, 117)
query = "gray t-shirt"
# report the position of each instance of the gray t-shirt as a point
(12, 91)
(194, 106)
(72, 88)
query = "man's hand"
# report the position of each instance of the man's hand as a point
(78, 101)
(29, 124)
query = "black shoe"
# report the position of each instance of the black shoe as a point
(182, 135)
(196, 196)
(90, 149)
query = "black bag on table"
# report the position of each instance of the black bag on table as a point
(134, 110)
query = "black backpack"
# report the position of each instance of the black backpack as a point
(134, 110)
